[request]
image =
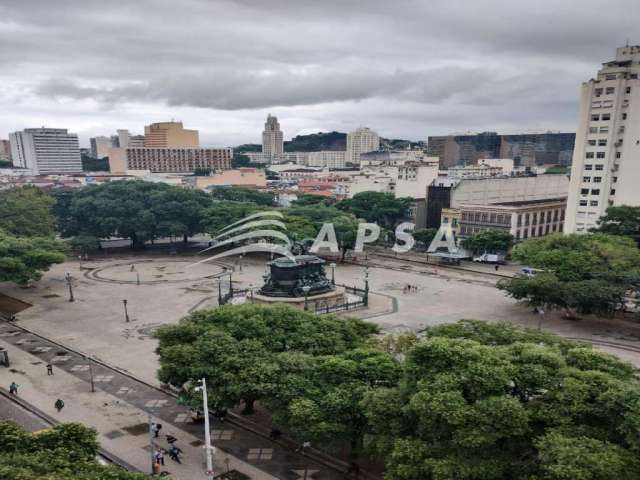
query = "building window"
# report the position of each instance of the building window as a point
(534, 220)
(590, 155)
(604, 129)
(519, 219)
(595, 191)
(599, 167)
(610, 76)
(584, 191)
(602, 142)
(445, 220)
(600, 155)
(628, 90)
(586, 179)
(583, 203)
(610, 90)
(593, 203)
(592, 143)
(618, 154)
(612, 192)
(597, 179)
(606, 116)
(624, 116)
(615, 179)
(598, 92)
(595, 118)
(593, 129)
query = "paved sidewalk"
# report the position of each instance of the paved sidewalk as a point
(119, 410)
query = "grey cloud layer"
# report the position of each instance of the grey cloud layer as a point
(514, 63)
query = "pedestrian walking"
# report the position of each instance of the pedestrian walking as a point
(13, 388)
(59, 405)
(174, 454)
(156, 427)
(160, 456)
(49, 369)
(171, 439)
(497, 267)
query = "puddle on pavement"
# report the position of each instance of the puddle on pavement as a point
(137, 429)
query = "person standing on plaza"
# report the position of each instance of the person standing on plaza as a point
(13, 388)
(59, 405)
(49, 369)
(160, 456)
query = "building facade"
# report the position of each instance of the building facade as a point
(525, 219)
(606, 159)
(46, 151)
(326, 158)
(169, 160)
(5, 151)
(361, 141)
(169, 135)
(100, 146)
(552, 148)
(272, 139)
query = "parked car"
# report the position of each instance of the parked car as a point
(530, 271)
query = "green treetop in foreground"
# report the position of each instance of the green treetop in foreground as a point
(490, 241)
(64, 452)
(24, 259)
(584, 273)
(26, 212)
(479, 401)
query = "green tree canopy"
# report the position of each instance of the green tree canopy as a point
(377, 207)
(490, 241)
(481, 401)
(235, 347)
(425, 235)
(587, 273)
(64, 452)
(243, 194)
(137, 210)
(26, 212)
(223, 213)
(310, 200)
(24, 259)
(622, 220)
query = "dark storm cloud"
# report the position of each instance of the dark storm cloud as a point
(347, 62)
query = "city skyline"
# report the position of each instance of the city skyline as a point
(510, 77)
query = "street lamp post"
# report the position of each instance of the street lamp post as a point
(93, 387)
(126, 313)
(251, 291)
(240, 264)
(366, 286)
(306, 289)
(137, 277)
(219, 291)
(80, 261)
(231, 282)
(207, 433)
(69, 279)
(333, 272)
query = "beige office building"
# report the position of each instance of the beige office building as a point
(272, 140)
(169, 160)
(361, 141)
(606, 158)
(170, 135)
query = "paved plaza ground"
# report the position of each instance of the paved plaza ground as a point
(162, 289)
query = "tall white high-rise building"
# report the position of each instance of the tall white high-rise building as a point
(362, 140)
(100, 146)
(272, 141)
(606, 157)
(46, 150)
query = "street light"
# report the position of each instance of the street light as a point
(207, 434)
(219, 291)
(137, 277)
(126, 313)
(93, 387)
(240, 264)
(80, 261)
(333, 272)
(251, 291)
(306, 289)
(69, 279)
(366, 286)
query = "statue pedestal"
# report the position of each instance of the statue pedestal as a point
(314, 302)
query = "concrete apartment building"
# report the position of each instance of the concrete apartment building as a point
(272, 139)
(126, 140)
(5, 151)
(46, 151)
(169, 160)
(170, 135)
(100, 146)
(361, 141)
(529, 149)
(606, 159)
(490, 191)
(242, 177)
(327, 159)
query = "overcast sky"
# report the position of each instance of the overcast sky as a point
(405, 68)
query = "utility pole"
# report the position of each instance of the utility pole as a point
(207, 432)
(152, 448)
(126, 313)
(93, 387)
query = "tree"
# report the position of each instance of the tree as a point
(63, 452)
(24, 259)
(84, 244)
(425, 235)
(242, 194)
(622, 220)
(137, 210)
(91, 164)
(310, 200)
(26, 212)
(377, 207)
(223, 213)
(239, 160)
(586, 273)
(235, 347)
(490, 241)
(483, 401)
